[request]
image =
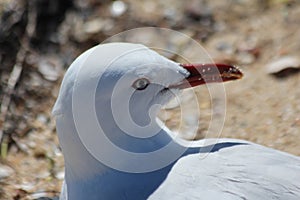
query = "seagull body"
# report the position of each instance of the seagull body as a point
(119, 86)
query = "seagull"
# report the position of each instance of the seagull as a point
(115, 147)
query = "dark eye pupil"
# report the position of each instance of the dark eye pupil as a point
(141, 84)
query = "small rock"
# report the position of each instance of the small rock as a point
(93, 26)
(57, 151)
(200, 12)
(40, 195)
(42, 118)
(118, 8)
(245, 58)
(42, 174)
(284, 66)
(50, 67)
(225, 47)
(5, 171)
(60, 175)
(26, 186)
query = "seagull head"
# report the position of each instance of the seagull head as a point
(134, 79)
(121, 87)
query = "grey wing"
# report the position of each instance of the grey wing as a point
(238, 172)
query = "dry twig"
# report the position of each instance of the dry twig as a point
(18, 67)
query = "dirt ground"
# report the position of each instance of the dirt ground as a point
(262, 37)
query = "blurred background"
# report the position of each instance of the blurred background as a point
(39, 39)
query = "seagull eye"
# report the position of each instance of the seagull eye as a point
(141, 84)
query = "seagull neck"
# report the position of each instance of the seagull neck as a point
(80, 163)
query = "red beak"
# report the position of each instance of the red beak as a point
(208, 73)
